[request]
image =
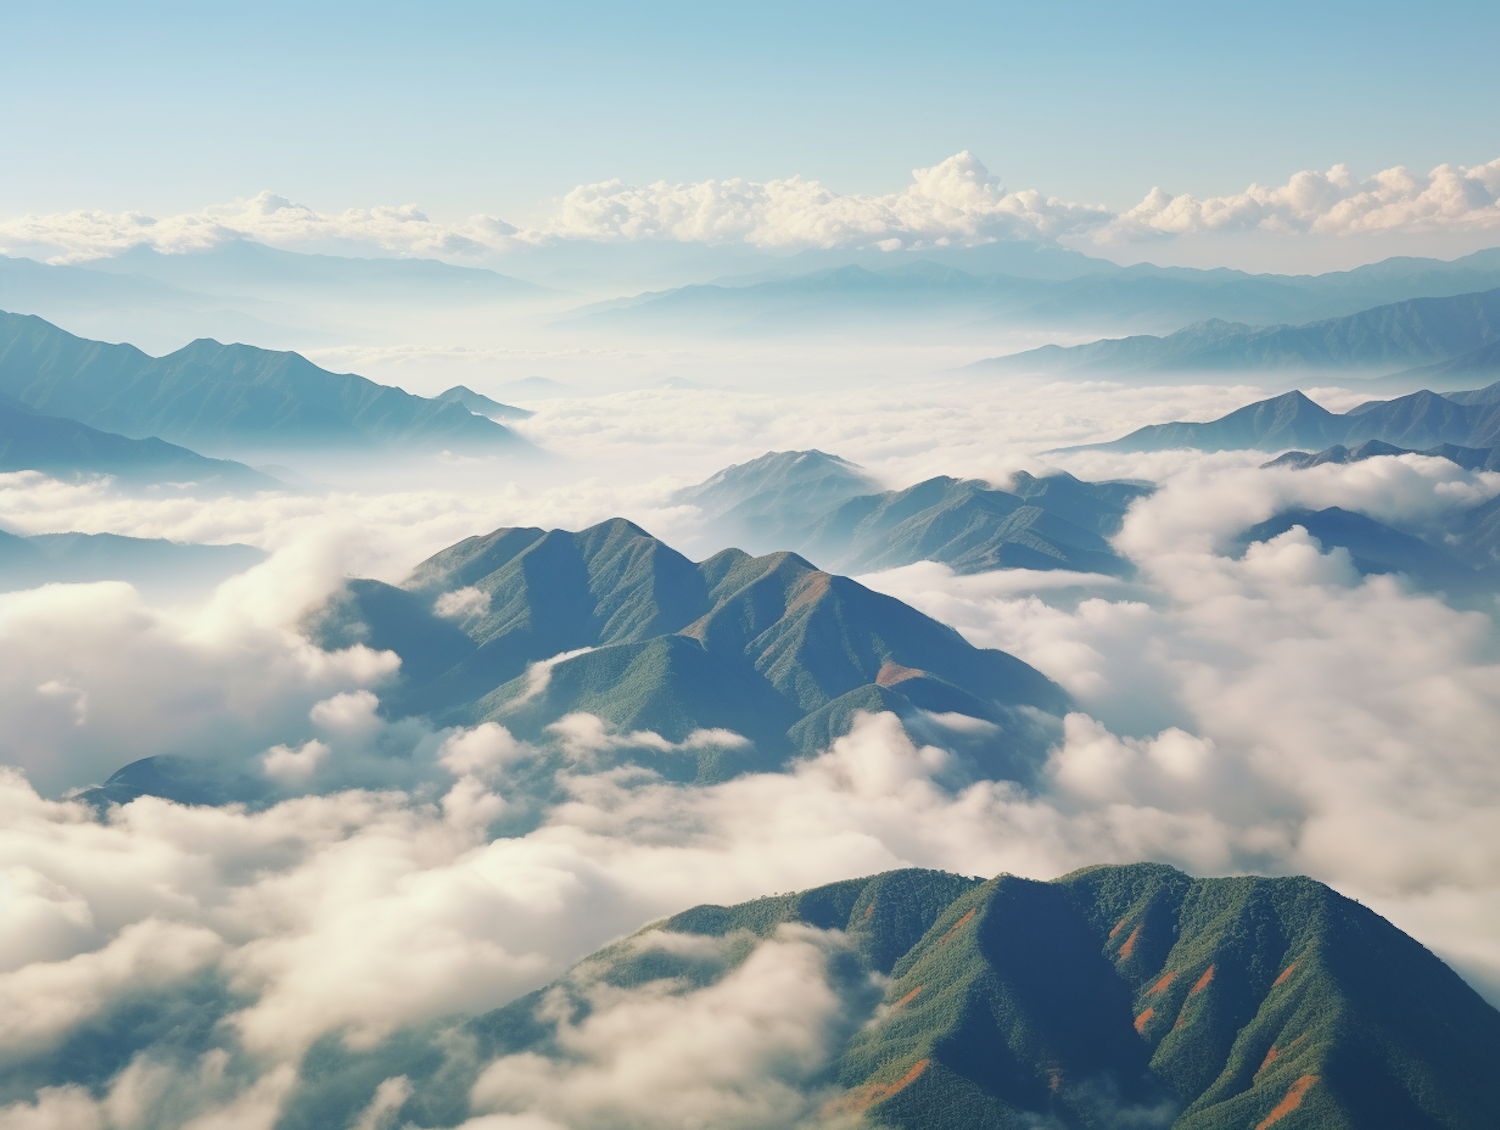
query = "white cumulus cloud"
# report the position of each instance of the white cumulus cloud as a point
(1332, 203)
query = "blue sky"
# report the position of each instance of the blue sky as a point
(497, 107)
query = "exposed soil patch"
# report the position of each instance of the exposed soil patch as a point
(869, 910)
(1129, 947)
(1202, 982)
(809, 591)
(1285, 973)
(1120, 925)
(956, 927)
(911, 996)
(1143, 1019)
(1290, 1103)
(1163, 983)
(1270, 1059)
(892, 673)
(862, 1098)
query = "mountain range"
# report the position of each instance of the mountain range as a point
(737, 662)
(1469, 458)
(160, 568)
(1455, 330)
(1418, 421)
(1116, 997)
(907, 288)
(227, 397)
(824, 508)
(243, 267)
(62, 448)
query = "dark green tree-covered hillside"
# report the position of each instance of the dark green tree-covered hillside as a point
(770, 648)
(1113, 997)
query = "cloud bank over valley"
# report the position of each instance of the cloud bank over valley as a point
(1273, 711)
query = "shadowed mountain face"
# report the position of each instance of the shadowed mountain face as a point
(769, 648)
(1419, 421)
(1115, 997)
(62, 448)
(1403, 334)
(821, 505)
(1375, 548)
(225, 396)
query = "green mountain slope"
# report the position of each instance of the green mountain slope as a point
(221, 397)
(771, 648)
(1113, 997)
(971, 527)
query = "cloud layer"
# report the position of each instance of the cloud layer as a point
(1274, 712)
(954, 203)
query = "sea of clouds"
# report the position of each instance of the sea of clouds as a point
(955, 203)
(165, 965)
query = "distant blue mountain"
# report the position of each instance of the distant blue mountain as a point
(1418, 421)
(227, 397)
(482, 405)
(1413, 332)
(158, 567)
(62, 448)
(113, 306)
(877, 289)
(1469, 458)
(1374, 548)
(244, 267)
(824, 508)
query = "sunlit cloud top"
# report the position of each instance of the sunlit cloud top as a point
(955, 203)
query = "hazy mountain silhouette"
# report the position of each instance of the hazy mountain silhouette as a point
(245, 267)
(33, 441)
(226, 396)
(157, 566)
(772, 501)
(1418, 421)
(1469, 458)
(1373, 547)
(483, 405)
(822, 507)
(1112, 997)
(1403, 334)
(874, 289)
